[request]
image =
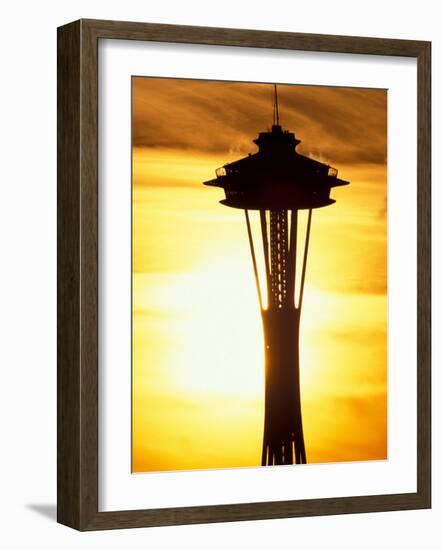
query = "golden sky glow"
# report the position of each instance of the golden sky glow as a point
(198, 362)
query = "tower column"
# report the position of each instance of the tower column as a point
(283, 441)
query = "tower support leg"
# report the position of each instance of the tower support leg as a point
(283, 441)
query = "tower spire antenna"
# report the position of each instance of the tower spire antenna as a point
(275, 106)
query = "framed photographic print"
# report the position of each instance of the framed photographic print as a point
(243, 275)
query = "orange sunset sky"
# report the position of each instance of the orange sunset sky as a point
(198, 361)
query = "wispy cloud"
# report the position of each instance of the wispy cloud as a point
(342, 125)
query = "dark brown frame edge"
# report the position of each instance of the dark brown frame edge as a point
(77, 310)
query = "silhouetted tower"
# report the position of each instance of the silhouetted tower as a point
(278, 182)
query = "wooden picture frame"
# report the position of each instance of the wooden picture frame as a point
(77, 226)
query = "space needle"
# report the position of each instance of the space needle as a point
(279, 182)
